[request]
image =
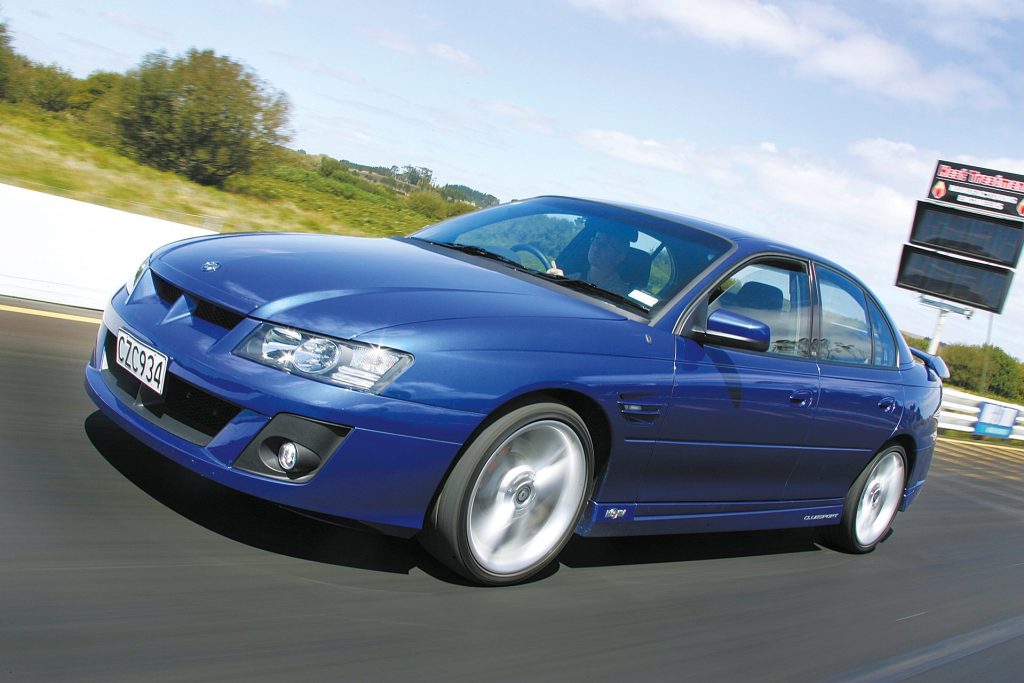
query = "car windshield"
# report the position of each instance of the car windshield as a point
(627, 257)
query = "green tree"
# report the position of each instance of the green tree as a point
(420, 176)
(432, 205)
(461, 193)
(916, 342)
(94, 87)
(1003, 377)
(50, 87)
(329, 166)
(22, 80)
(6, 56)
(201, 115)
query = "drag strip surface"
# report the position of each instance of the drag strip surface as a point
(117, 565)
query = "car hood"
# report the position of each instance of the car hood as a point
(347, 286)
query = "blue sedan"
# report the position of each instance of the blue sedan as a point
(500, 381)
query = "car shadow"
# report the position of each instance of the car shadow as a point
(267, 526)
(249, 520)
(636, 550)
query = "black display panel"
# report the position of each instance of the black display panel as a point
(956, 279)
(985, 237)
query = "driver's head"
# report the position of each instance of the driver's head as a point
(610, 244)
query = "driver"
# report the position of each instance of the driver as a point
(608, 249)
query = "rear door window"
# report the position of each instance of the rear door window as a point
(845, 331)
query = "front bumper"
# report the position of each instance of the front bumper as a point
(384, 473)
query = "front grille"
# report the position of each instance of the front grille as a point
(183, 409)
(212, 313)
(169, 293)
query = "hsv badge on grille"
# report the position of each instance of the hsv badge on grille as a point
(210, 266)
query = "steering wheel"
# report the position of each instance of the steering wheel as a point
(529, 248)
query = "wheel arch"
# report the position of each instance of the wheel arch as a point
(587, 408)
(909, 445)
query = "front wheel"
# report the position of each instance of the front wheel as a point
(872, 502)
(514, 498)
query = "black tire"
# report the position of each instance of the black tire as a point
(493, 490)
(872, 503)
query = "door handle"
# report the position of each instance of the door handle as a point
(802, 398)
(887, 404)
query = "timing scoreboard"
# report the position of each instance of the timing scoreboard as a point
(967, 236)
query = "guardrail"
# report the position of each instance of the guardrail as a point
(960, 411)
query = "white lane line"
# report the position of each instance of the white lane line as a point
(934, 656)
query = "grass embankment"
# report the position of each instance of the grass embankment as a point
(51, 153)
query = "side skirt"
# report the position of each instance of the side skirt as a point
(632, 519)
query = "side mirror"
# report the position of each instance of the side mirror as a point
(725, 328)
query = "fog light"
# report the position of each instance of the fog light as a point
(294, 459)
(288, 456)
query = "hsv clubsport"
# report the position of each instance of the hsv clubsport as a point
(499, 381)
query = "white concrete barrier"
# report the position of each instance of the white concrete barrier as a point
(69, 252)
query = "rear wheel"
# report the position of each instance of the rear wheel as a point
(872, 502)
(514, 498)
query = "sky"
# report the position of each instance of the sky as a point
(814, 123)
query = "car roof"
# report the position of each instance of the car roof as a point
(750, 242)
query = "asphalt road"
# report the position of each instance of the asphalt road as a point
(116, 565)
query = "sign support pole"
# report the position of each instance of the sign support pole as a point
(945, 308)
(933, 345)
(988, 348)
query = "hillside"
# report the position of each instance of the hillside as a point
(51, 152)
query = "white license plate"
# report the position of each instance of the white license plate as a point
(146, 364)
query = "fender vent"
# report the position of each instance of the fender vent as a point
(639, 409)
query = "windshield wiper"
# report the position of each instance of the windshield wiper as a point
(477, 251)
(588, 287)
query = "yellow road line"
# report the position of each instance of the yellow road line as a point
(50, 314)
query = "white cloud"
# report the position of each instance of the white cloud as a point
(735, 23)
(136, 26)
(903, 161)
(827, 207)
(1006, 164)
(274, 5)
(857, 213)
(822, 42)
(523, 117)
(968, 25)
(454, 56)
(390, 39)
(104, 50)
(317, 68)
(399, 42)
(895, 160)
(671, 156)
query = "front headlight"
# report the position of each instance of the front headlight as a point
(345, 363)
(130, 284)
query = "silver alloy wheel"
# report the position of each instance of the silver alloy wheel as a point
(880, 499)
(526, 497)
